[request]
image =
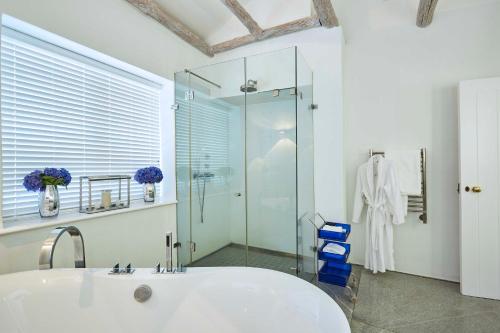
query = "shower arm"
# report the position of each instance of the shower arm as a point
(202, 78)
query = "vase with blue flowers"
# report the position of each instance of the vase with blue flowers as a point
(148, 177)
(45, 182)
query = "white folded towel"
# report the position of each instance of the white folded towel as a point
(334, 248)
(333, 228)
(408, 170)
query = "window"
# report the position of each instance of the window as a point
(62, 109)
(203, 137)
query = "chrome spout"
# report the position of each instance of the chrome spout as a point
(45, 260)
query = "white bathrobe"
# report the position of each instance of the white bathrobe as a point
(377, 187)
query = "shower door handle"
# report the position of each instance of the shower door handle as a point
(238, 194)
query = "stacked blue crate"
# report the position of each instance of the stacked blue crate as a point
(335, 270)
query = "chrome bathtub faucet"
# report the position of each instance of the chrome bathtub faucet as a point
(168, 269)
(45, 260)
(169, 257)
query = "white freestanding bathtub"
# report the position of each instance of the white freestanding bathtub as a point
(202, 300)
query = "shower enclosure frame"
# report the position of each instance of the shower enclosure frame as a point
(298, 94)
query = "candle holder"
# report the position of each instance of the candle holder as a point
(106, 185)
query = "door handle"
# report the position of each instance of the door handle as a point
(475, 189)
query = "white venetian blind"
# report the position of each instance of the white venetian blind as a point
(202, 130)
(61, 109)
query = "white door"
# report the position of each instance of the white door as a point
(480, 188)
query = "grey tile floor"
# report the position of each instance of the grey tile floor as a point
(235, 256)
(401, 303)
(387, 303)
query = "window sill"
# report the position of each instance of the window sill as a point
(34, 221)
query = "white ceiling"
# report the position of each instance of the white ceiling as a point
(447, 5)
(202, 16)
(442, 6)
(215, 23)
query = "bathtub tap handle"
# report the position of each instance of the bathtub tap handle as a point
(158, 269)
(129, 269)
(115, 270)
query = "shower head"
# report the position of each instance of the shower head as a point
(250, 86)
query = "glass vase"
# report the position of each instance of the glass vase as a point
(149, 192)
(48, 201)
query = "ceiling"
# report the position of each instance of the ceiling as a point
(448, 5)
(211, 20)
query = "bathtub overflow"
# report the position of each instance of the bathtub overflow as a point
(143, 293)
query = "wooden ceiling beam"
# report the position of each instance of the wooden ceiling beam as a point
(233, 43)
(153, 9)
(326, 17)
(279, 30)
(425, 13)
(326, 13)
(237, 9)
(291, 27)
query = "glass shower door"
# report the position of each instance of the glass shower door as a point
(217, 216)
(245, 163)
(306, 232)
(271, 161)
(183, 166)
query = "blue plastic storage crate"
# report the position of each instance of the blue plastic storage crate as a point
(339, 265)
(335, 276)
(335, 236)
(325, 256)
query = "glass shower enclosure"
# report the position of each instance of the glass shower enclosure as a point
(245, 162)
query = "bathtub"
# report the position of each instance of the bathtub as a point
(202, 300)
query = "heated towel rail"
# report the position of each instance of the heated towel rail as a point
(416, 203)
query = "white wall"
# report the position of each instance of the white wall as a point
(271, 174)
(115, 28)
(136, 237)
(400, 86)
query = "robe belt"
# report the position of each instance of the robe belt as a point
(374, 228)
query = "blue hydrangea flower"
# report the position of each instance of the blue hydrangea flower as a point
(52, 172)
(66, 176)
(33, 181)
(148, 175)
(37, 180)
